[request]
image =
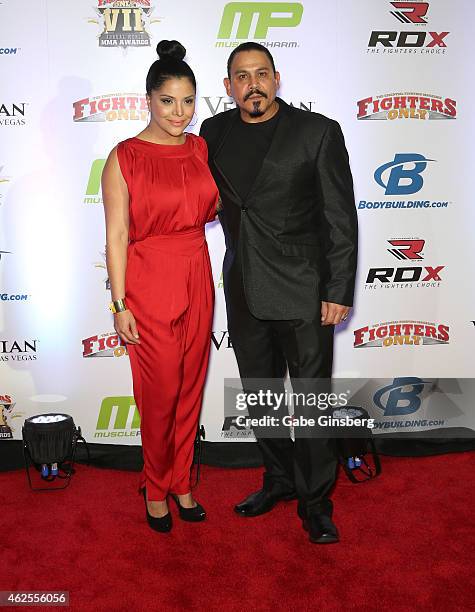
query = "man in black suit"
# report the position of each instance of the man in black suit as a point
(290, 225)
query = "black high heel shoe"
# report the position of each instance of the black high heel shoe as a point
(192, 515)
(163, 524)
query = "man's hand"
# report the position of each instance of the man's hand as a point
(332, 314)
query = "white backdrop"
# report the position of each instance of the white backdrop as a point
(72, 85)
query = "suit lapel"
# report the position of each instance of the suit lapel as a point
(225, 133)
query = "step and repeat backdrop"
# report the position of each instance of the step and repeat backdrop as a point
(395, 74)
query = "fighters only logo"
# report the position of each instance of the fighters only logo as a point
(111, 107)
(103, 345)
(401, 333)
(407, 105)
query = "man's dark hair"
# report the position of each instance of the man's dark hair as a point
(249, 46)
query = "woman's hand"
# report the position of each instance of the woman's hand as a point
(126, 327)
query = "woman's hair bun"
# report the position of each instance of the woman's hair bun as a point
(170, 49)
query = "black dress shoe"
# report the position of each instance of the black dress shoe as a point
(192, 515)
(261, 502)
(325, 506)
(321, 529)
(163, 524)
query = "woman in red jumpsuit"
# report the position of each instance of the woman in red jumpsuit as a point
(158, 195)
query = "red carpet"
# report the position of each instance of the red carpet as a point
(407, 544)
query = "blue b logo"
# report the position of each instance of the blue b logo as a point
(402, 397)
(404, 174)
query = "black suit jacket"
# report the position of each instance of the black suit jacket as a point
(295, 234)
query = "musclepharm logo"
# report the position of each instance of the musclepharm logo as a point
(118, 417)
(94, 182)
(269, 15)
(404, 174)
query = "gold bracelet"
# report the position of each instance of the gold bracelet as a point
(117, 306)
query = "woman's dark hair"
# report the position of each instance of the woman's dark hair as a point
(169, 65)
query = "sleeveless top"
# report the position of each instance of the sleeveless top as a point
(171, 188)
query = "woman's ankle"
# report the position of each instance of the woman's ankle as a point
(157, 508)
(186, 500)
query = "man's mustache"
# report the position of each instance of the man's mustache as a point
(253, 92)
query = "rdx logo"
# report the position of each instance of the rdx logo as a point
(407, 249)
(410, 274)
(410, 12)
(403, 175)
(389, 38)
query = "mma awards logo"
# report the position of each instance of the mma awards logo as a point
(243, 21)
(102, 265)
(124, 23)
(3, 183)
(408, 105)
(401, 333)
(103, 345)
(409, 250)
(3, 177)
(7, 414)
(111, 107)
(413, 15)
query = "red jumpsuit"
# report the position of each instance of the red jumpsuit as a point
(169, 290)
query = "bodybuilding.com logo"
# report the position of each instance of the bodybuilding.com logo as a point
(400, 177)
(404, 176)
(233, 32)
(401, 397)
(411, 403)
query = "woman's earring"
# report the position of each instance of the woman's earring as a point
(196, 121)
